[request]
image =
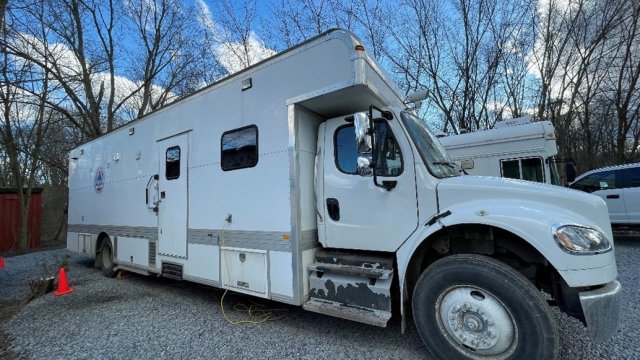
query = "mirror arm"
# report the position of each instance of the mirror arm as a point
(372, 126)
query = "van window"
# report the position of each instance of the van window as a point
(602, 180)
(172, 163)
(526, 169)
(239, 148)
(389, 158)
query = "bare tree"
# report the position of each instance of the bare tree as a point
(457, 51)
(166, 47)
(297, 20)
(578, 44)
(25, 118)
(85, 54)
(626, 89)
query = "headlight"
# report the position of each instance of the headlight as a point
(580, 240)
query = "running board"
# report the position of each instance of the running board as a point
(332, 308)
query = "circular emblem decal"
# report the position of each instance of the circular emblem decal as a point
(98, 182)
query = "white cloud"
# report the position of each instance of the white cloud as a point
(232, 55)
(235, 56)
(71, 70)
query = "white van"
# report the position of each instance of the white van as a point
(619, 186)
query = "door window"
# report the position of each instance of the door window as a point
(388, 159)
(172, 163)
(603, 180)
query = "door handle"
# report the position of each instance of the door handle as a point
(333, 208)
(614, 196)
(162, 194)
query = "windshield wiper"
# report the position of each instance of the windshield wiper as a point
(449, 164)
(452, 165)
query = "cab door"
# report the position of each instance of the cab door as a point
(357, 213)
(605, 185)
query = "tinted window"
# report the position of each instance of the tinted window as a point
(511, 169)
(597, 181)
(532, 169)
(526, 169)
(629, 177)
(388, 159)
(240, 148)
(345, 150)
(172, 163)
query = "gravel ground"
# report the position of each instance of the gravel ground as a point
(147, 318)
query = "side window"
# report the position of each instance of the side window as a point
(239, 148)
(598, 181)
(172, 163)
(532, 169)
(389, 158)
(345, 150)
(526, 169)
(510, 169)
(629, 177)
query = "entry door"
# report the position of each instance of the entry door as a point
(172, 210)
(357, 213)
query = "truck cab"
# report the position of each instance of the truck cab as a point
(470, 254)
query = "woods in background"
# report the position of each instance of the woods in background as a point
(73, 70)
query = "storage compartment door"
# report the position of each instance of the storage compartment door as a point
(244, 270)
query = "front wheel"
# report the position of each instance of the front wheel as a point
(475, 307)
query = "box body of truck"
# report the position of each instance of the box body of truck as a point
(304, 179)
(231, 170)
(519, 151)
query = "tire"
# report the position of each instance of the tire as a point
(475, 307)
(107, 266)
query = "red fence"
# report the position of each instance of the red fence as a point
(10, 214)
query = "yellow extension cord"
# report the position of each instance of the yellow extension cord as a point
(256, 313)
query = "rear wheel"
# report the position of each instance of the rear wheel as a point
(475, 307)
(106, 259)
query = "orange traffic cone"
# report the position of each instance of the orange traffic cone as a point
(1, 262)
(63, 285)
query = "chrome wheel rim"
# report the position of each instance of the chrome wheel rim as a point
(476, 322)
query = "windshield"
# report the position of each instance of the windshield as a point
(433, 155)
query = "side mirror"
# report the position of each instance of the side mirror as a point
(466, 164)
(364, 147)
(362, 125)
(364, 165)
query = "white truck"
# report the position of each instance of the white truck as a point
(519, 150)
(306, 180)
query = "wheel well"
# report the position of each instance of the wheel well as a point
(101, 238)
(484, 240)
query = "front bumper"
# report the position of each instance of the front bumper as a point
(601, 309)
